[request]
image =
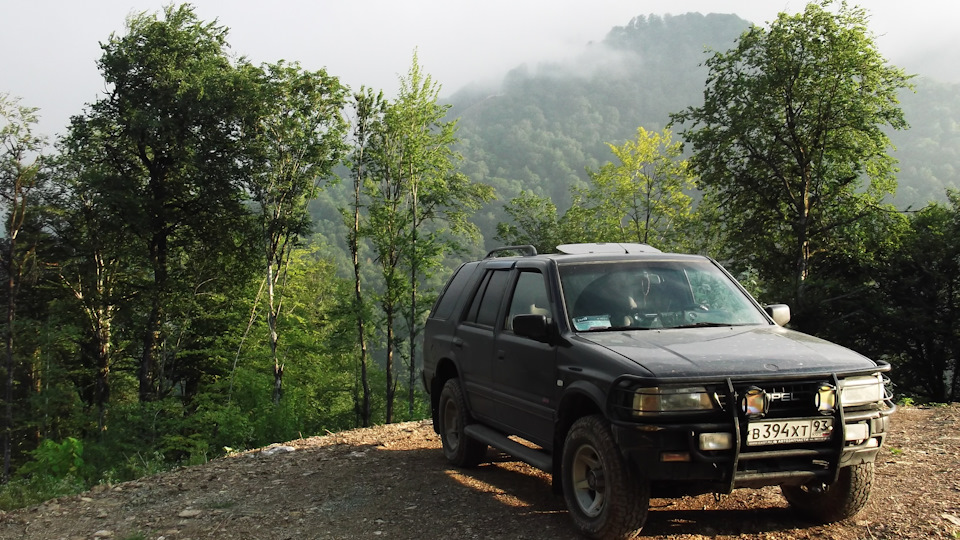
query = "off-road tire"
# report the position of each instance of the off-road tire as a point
(605, 496)
(822, 503)
(459, 448)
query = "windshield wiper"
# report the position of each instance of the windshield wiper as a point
(617, 328)
(707, 325)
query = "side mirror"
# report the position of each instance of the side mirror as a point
(780, 313)
(532, 326)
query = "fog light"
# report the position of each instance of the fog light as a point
(755, 402)
(826, 398)
(716, 441)
(856, 432)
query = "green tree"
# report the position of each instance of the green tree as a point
(170, 129)
(642, 198)
(440, 198)
(94, 262)
(22, 177)
(369, 108)
(298, 139)
(917, 310)
(387, 225)
(535, 222)
(418, 201)
(789, 140)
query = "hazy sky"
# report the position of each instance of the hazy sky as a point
(50, 47)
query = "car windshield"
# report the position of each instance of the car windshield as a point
(686, 293)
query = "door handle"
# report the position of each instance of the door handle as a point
(457, 342)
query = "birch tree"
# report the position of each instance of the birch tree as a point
(299, 137)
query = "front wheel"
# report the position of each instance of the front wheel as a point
(459, 448)
(605, 497)
(827, 503)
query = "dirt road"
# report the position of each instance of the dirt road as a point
(393, 482)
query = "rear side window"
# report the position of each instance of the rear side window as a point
(486, 304)
(448, 299)
(529, 297)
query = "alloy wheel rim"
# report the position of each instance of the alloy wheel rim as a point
(451, 422)
(589, 486)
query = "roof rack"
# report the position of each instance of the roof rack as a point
(608, 247)
(526, 250)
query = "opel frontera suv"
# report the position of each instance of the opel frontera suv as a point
(625, 372)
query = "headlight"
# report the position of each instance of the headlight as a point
(861, 390)
(671, 400)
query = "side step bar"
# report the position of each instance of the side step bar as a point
(537, 458)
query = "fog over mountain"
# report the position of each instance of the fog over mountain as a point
(545, 124)
(52, 46)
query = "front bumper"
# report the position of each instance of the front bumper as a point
(671, 452)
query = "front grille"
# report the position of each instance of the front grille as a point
(796, 399)
(792, 400)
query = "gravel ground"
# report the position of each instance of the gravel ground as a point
(393, 482)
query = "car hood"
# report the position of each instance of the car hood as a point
(729, 351)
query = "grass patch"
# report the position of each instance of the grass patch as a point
(23, 492)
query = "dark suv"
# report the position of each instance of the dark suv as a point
(623, 371)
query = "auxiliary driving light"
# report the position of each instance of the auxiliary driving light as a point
(826, 398)
(755, 402)
(716, 441)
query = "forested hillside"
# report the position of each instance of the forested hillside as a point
(929, 152)
(546, 124)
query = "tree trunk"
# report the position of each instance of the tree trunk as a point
(391, 387)
(158, 257)
(414, 262)
(272, 327)
(364, 408)
(102, 391)
(99, 315)
(8, 393)
(151, 340)
(152, 329)
(366, 107)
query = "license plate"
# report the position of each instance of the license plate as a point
(789, 431)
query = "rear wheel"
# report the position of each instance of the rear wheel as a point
(459, 448)
(827, 503)
(605, 497)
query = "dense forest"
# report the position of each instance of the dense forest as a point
(218, 255)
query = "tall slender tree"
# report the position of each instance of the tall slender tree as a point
(90, 260)
(299, 139)
(369, 109)
(440, 198)
(386, 228)
(417, 200)
(21, 179)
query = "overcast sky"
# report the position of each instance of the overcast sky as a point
(50, 47)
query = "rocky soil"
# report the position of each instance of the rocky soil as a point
(393, 482)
